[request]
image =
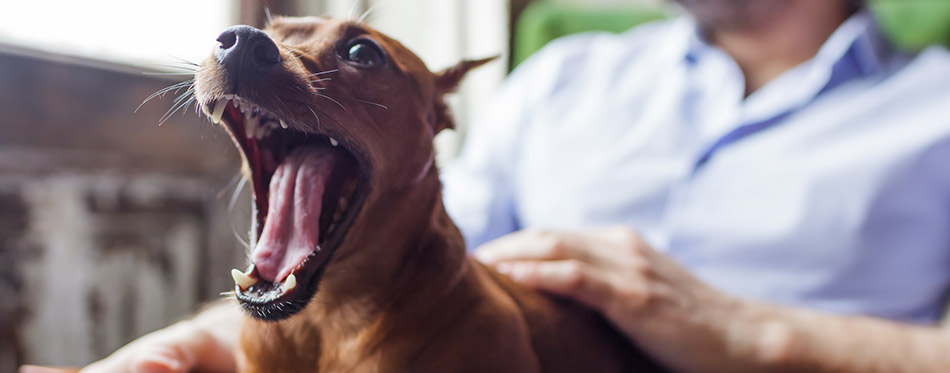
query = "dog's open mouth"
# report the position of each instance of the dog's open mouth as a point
(308, 189)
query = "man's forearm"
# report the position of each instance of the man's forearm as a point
(789, 339)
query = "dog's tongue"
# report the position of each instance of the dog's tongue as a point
(292, 228)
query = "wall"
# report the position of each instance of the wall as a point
(110, 225)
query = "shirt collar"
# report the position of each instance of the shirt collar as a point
(855, 50)
(859, 39)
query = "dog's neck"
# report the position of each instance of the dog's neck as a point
(407, 250)
(396, 269)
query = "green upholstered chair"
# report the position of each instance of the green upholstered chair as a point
(911, 24)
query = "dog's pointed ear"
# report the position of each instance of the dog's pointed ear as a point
(447, 81)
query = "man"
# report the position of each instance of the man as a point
(774, 172)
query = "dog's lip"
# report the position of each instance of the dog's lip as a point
(275, 300)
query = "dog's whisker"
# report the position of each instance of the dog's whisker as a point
(284, 104)
(182, 60)
(331, 99)
(154, 73)
(367, 13)
(321, 80)
(314, 115)
(174, 87)
(231, 183)
(358, 100)
(239, 238)
(269, 16)
(181, 102)
(323, 72)
(353, 9)
(187, 94)
(237, 192)
(169, 66)
(185, 104)
(324, 114)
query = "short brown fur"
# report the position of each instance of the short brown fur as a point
(400, 294)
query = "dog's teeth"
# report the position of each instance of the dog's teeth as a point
(290, 283)
(337, 216)
(283, 124)
(250, 127)
(241, 280)
(219, 107)
(260, 130)
(334, 142)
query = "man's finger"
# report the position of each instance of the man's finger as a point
(39, 369)
(152, 359)
(160, 360)
(528, 245)
(568, 278)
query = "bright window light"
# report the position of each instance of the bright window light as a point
(124, 31)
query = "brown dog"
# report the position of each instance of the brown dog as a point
(335, 122)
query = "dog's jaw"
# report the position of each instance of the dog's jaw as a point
(320, 60)
(308, 191)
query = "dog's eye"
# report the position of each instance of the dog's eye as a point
(364, 53)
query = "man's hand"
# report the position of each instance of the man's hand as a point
(691, 327)
(205, 343)
(648, 296)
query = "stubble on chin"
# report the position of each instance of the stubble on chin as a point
(732, 14)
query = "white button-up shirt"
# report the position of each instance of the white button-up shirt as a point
(828, 188)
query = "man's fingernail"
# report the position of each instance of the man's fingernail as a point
(504, 268)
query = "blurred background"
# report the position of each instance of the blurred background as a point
(112, 225)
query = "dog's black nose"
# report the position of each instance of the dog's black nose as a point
(246, 50)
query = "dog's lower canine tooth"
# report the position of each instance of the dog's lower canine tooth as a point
(241, 280)
(334, 142)
(219, 107)
(283, 124)
(290, 283)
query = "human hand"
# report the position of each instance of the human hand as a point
(647, 295)
(182, 347)
(41, 369)
(205, 343)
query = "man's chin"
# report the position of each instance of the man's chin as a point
(728, 15)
